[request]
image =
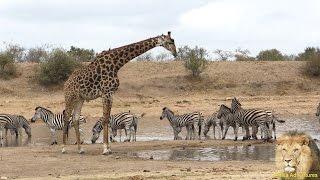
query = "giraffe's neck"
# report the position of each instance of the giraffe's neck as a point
(122, 55)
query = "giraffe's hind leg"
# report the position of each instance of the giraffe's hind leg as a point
(67, 114)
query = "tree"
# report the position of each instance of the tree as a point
(270, 55)
(196, 60)
(223, 55)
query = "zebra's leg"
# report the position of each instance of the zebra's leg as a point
(129, 130)
(274, 129)
(53, 136)
(120, 134)
(221, 130)
(225, 132)
(75, 119)
(214, 131)
(254, 132)
(247, 136)
(1, 135)
(81, 134)
(236, 129)
(266, 131)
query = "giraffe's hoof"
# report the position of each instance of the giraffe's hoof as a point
(106, 151)
(63, 151)
(81, 151)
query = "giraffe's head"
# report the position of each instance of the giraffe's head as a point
(167, 42)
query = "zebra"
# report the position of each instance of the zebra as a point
(250, 117)
(189, 121)
(124, 120)
(273, 121)
(54, 121)
(227, 119)
(212, 121)
(14, 123)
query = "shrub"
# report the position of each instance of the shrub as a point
(307, 54)
(243, 55)
(81, 54)
(182, 53)
(15, 51)
(7, 67)
(196, 60)
(36, 54)
(56, 68)
(223, 55)
(270, 55)
(312, 56)
(145, 57)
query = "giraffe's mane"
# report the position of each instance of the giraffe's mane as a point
(121, 47)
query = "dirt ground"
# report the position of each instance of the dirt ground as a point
(279, 87)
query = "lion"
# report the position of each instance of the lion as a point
(297, 156)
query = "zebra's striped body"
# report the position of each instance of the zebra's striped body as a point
(186, 120)
(212, 121)
(272, 125)
(227, 118)
(55, 122)
(250, 117)
(125, 120)
(14, 123)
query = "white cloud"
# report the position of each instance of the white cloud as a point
(288, 25)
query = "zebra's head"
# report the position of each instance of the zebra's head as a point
(223, 110)
(37, 114)
(97, 128)
(25, 125)
(165, 112)
(318, 110)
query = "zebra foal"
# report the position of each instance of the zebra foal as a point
(189, 121)
(212, 121)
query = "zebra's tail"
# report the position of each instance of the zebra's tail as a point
(279, 120)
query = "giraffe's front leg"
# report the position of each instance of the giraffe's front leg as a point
(107, 103)
(75, 119)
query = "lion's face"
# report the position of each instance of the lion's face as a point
(292, 151)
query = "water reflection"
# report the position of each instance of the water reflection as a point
(227, 153)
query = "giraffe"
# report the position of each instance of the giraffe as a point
(100, 79)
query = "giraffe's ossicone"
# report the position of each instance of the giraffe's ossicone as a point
(100, 79)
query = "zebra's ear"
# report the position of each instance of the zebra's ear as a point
(63, 111)
(37, 108)
(164, 108)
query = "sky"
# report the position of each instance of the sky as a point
(288, 25)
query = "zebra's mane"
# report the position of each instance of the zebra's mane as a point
(24, 120)
(226, 108)
(165, 108)
(39, 107)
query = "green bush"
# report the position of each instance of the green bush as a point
(195, 60)
(270, 55)
(312, 56)
(182, 53)
(56, 68)
(7, 67)
(81, 54)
